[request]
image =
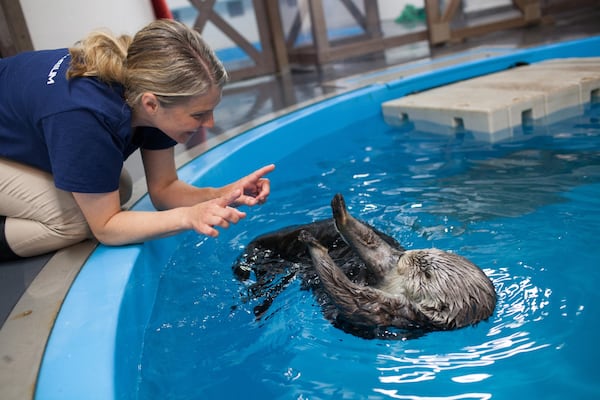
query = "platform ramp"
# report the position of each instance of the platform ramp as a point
(504, 104)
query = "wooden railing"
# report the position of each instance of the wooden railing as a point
(324, 50)
(439, 21)
(264, 58)
(279, 44)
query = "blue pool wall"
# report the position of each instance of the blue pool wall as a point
(95, 346)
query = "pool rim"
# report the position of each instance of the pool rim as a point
(63, 373)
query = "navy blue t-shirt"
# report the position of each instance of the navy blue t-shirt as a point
(79, 130)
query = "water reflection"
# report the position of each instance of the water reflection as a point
(539, 343)
(395, 395)
(484, 354)
(520, 302)
(518, 183)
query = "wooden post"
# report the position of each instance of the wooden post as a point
(372, 19)
(439, 30)
(532, 12)
(14, 35)
(277, 36)
(319, 30)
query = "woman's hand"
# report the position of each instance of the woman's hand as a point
(185, 207)
(113, 226)
(255, 187)
(204, 216)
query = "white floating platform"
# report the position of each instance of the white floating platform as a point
(494, 106)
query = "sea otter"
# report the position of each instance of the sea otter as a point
(366, 282)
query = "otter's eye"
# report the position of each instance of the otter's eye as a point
(426, 269)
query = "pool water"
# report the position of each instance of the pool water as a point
(527, 211)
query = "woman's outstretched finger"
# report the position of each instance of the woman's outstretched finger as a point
(224, 216)
(259, 173)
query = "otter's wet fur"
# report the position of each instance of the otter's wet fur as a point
(366, 283)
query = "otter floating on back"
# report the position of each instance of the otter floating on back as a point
(367, 282)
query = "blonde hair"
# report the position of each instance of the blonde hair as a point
(165, 58)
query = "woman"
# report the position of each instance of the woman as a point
(69, 119)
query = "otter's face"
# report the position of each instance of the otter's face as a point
(411, 277)
(448, 288)
(433, 275)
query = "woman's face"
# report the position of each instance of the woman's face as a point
(182, 121)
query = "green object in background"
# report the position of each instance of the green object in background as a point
(411, 15)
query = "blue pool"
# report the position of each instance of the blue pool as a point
(167, 319)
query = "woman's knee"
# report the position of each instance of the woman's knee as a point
(28, 238)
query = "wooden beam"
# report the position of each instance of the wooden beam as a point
(565, 5)
(14, 34)
(432, 10)
(276, 35)
(347, 49)
(356, 13)
(373, 23)
(450, 11)
(7, 45)
(439, 30)
(479, 30)
(319, 28)
(237, 38)
(530, 9)
(205, 12)
(296, 26)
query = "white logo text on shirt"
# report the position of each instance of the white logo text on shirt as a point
(54, 71)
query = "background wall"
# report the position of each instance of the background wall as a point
(60, 23)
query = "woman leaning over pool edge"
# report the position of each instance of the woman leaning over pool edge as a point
(70, 117)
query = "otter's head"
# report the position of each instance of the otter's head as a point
(449, 289)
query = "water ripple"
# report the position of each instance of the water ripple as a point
(525, 212)
(394, 395)
(520, 302)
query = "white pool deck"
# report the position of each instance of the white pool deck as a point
(497, 106)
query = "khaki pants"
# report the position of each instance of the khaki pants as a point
(40, 217)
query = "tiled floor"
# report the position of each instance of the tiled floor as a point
(244, 102)
(14, 278)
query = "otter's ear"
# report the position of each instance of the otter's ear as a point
(425, 269)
